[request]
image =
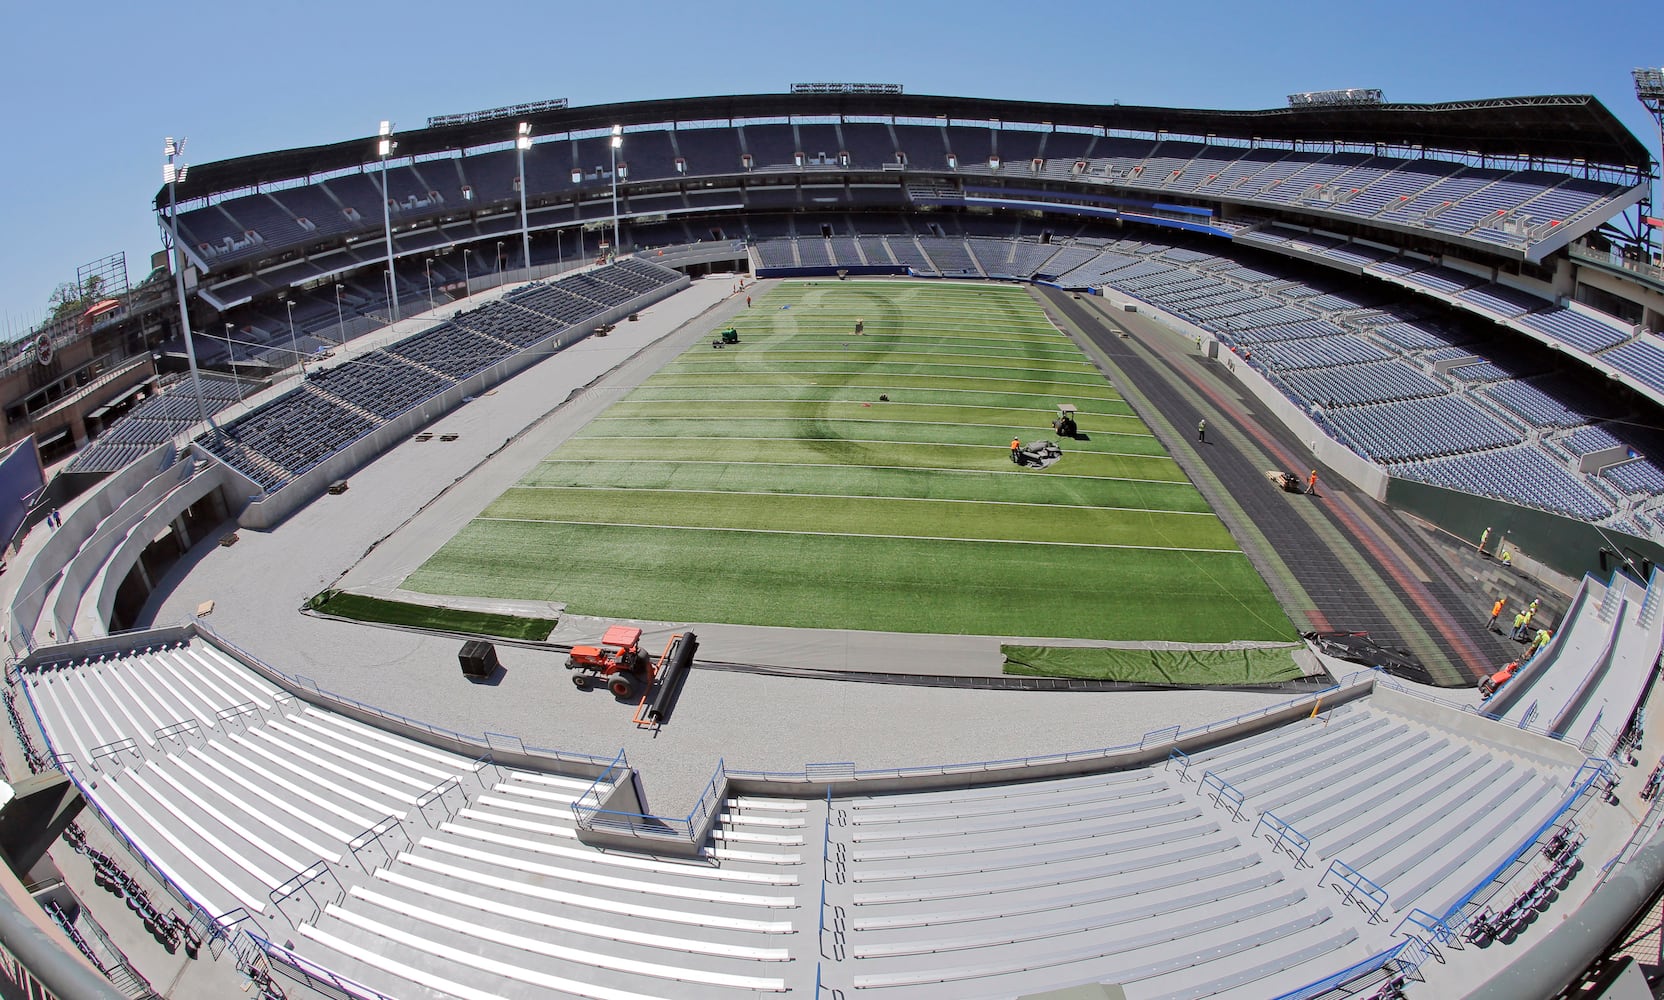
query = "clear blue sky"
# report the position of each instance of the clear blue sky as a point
(91, 89)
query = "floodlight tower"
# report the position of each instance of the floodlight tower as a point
(173, 172)
(1649, 90)
(523, 142)
(384, 147)
(617, 144)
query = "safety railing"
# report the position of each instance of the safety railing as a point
(1593, 774)
(236, 713)
(178, 731)
(441, 794)
(693, 827)
(1524, 725)
(1433, 929)
(378, 835)
(1354, 887)
(1082, 756)
(1369, 966)
(312, 974)
(1284, 838)
(1179, 757)
(1224, 794)
(302, 882)
(114, 752)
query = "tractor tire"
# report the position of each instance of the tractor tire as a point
(622, 686)
(580, 681)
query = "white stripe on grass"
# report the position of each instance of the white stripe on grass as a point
(773, 353)
(826, 418)
(853, 534)
(635, 490)
(841, 440)
(772, 359)
(751, 371)
(1117, 397)
(842, 465)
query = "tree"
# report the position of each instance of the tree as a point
(69, 298)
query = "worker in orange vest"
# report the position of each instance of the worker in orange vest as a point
(1016, 451)
(1496, 612)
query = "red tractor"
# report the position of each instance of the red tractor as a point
(619, 662)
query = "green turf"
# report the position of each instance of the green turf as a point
(375, 609)
(1183, 667)
(768, 483)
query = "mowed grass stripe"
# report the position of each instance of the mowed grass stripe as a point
(881, 584)
(880, 454)
(858, 496)
(746, 364)
(855, 392)
(934, 413)
(1032, 346)
(891, 381)
(855, 354)
(866, 516)
(945, 484)
(952, 435)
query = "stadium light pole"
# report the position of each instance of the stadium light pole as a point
(340, 318)
(499, 259)
(1649, 90)
(466, 291)
(294, 344)
(523, 142)
(427, 268)
(385, 146)
(231, 355)
(560, 257)
(172, 173)
(617, 144)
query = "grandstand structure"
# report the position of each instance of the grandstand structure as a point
(1416, 292)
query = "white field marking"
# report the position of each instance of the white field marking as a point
(851, 420)
(774, 356)
(649, 387)
(753, 372)
(860, 496)
(878, 441)
(853, 534)
(910, 402)
(835, 465)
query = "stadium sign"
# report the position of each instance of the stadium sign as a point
(1335, 98)
(492, 114)
(846, 88)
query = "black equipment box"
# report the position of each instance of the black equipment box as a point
(478, 658)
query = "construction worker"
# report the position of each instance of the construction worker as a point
(1311, 483)
(1016, 452)
(1202, 431)
(1543, 636)
(1520, 621)
(1534, 603)
(1496, 612)
(1484, 536)
(1507, 558)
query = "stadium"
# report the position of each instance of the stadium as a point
(1016, 548)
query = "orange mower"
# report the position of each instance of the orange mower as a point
(618, 662)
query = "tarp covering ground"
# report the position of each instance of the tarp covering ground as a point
(1177, 667)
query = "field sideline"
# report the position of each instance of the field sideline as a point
(768, 483)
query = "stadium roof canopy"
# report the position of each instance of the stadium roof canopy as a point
(1556, 127)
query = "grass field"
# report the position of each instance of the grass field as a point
(768, 484)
